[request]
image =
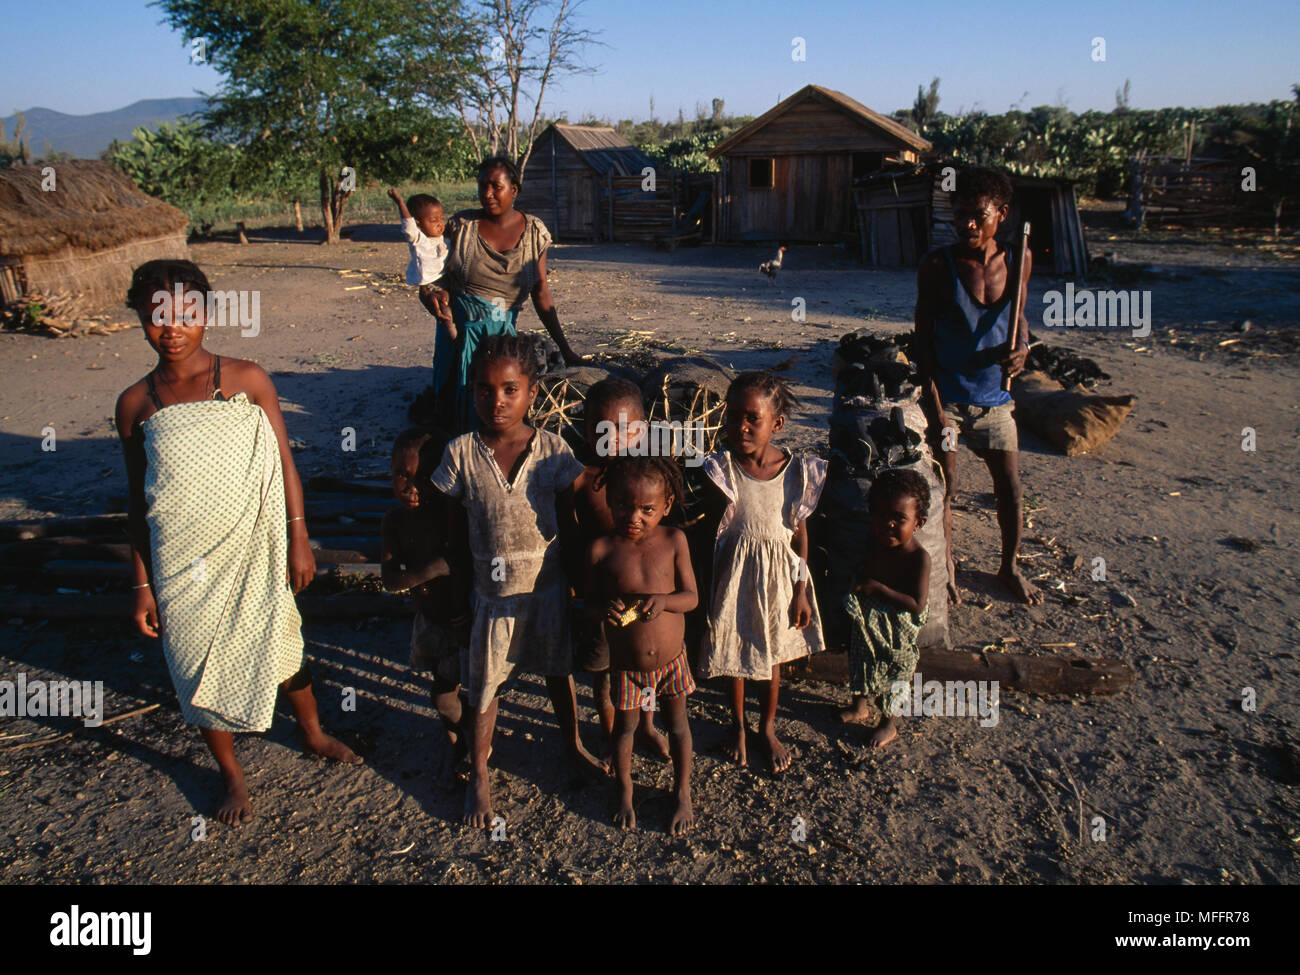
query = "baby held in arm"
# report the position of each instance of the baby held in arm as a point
(639, 578)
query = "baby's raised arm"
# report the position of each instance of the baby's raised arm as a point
(404, 213)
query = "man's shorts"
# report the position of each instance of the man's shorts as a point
(671, 680)
(436, 647)
(983, 427)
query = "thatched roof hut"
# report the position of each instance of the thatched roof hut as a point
(84, 236)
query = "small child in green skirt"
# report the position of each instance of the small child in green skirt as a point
(887, 606)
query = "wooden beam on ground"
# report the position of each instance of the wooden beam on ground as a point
(1042, 674)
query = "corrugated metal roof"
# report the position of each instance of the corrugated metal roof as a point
(900, 132)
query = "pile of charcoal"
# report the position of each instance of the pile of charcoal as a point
(870, 368)
(1065, 367)
(861, 442)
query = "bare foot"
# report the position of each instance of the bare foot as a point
(885, 732)
(327, 747)
(736, 750)
(653, 742)
(954, 594)
(583, 767)
(683, 817)
(777, 752)
(859, 712)
(478, 802)
(625, 818)
(235, 807)
(1021, 589)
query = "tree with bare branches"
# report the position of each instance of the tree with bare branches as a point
(519, 49)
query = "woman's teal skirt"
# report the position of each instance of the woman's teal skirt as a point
(476, 319)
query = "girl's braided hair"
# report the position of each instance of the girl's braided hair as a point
(517, 348)
(773, 387)
(624, 470)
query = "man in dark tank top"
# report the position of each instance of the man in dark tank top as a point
(963, 321)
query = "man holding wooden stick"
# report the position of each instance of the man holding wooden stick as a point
(967, 350)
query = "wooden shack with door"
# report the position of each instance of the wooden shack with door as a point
(78, 229)
(788, 175)
(569, 175)
(905, 212)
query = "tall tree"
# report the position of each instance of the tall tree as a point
(926, 104)
(521, 47)
(308, 83)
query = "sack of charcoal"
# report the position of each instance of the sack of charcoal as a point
(876, 424)
(869, 368)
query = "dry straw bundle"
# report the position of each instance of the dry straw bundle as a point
(691, 390)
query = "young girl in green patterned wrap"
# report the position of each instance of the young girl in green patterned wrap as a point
(887, 605)
(217, 529)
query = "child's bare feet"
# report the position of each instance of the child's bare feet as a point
(954, 595)
(583, 766)
(856, 713)
(1021, 589)
(683, 817)
(776, 750)
(736, 750)
(235, 807)
(327, 747)
(885, 732)
(625, 818)
(653, 742)
(478, 802)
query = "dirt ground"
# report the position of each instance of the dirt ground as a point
(1201, 598)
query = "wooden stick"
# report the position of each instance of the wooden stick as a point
(1017, 293)
(1046, 798)
(102, 724)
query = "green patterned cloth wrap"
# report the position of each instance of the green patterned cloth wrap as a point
(220, 553)
(882, 649)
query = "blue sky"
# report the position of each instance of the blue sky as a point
(107, 54)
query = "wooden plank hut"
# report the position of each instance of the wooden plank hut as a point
(788, 174)
(904, 212)
(84, 236)
(569, 174)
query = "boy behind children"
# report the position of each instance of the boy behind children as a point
(423, 223)
(962, 324)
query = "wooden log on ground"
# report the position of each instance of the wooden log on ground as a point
(118, 606)
(15, 531)
(349, 543)
(340, 556)
(359, 509)
(342, 534)
(361, 485)
(1016, 671)
(38, 551)
(67, 570)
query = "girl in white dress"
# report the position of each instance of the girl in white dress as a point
(763, 612)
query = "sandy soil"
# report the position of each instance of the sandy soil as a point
(1200, 535)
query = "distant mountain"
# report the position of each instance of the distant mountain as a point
(86, 136)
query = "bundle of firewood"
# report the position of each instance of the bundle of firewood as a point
(77, 568)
